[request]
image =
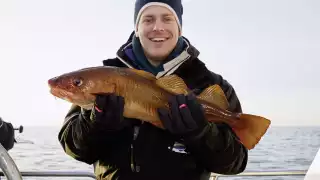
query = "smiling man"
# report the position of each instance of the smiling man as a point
(190, 147)
(158, 28)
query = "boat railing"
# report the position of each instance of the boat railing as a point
(84, 174)
(261, 173)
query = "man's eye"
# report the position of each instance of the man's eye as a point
(147, 20)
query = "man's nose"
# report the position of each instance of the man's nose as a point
(158, 26)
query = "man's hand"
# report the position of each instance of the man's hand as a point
(107, 112)
(185, 119)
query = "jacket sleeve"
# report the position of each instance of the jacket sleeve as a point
(82, 139)
(6, 135)
(219, 151)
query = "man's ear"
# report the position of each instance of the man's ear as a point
(137, 33)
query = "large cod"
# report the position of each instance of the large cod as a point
(143, 93)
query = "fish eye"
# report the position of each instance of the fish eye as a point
(77, 81)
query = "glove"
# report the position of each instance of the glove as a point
(185, 118)
(107, 112)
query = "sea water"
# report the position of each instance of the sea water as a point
(281, 149)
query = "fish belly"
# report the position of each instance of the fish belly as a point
(140, 110)
(142, 103)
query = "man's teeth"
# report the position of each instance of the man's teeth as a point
(158, 39)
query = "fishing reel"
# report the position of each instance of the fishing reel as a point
(21, 141)
(20, 129)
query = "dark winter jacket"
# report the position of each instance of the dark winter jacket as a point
(153, 153)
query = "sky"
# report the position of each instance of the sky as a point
(269, 50)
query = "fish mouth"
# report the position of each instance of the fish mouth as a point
(62, 94)
(78, 99)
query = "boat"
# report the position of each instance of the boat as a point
(314, 169)
(11, 171)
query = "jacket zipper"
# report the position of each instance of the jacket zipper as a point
(134, 166)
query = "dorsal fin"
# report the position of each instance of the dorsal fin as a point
(215, 95)
(143, 73)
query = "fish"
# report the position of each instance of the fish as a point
(143, 94)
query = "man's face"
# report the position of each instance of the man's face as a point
(158, 32)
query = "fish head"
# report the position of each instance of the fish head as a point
(80, 87)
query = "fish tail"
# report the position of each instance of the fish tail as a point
(250, 128)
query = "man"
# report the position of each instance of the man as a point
(122, 148)
(6, 135)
